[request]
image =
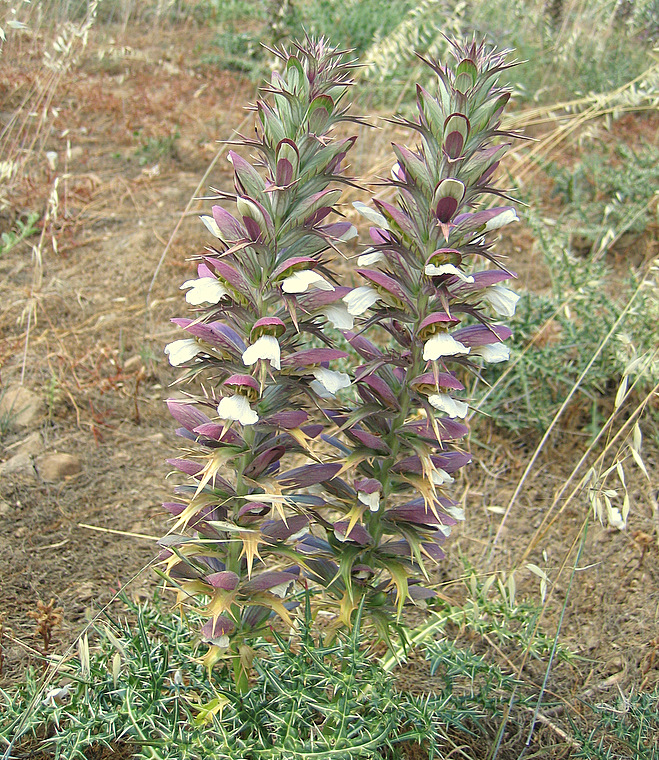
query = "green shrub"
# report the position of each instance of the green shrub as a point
(22, 230)
(624, 729)
(587, 49)
(355, 25)
(155, 149)
(611, 191)
(236, 51)
(557, 332)
(143, 685)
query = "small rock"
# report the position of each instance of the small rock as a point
(33, 444)
(616, 663)
(4, 508)
(20, 464)
(20, 406)
(54, 467)
(85, 590)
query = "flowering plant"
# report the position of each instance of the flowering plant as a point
(299, 471)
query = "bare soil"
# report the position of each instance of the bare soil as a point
(95, 351)
(141, 125)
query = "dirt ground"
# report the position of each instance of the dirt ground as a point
(141, 123)
(94, 356)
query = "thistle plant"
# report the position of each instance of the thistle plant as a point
(143, 693)
(300, 472)
(264, 294)
(433, 318)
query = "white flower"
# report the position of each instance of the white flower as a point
(56, 696)
(450, 406)
(369, 257)
(457, 513)
(360, 299)
(440, 477)
(371, 500)
(320, 390)
(432, 270)
(204, 290)
(181, 351)
(266, 347)
(372, 216)
(299, 282)
(493, 352)
(328, 382)
(211, 226)
(442, 344)
(339, 316)
(237, 408)
(501, 220)
(282, 588)
(503, 300)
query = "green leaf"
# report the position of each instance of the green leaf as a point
(209, 710)
(399, 575)
(319, 113)
(297, 80)
(468, 68)
(432, 112)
